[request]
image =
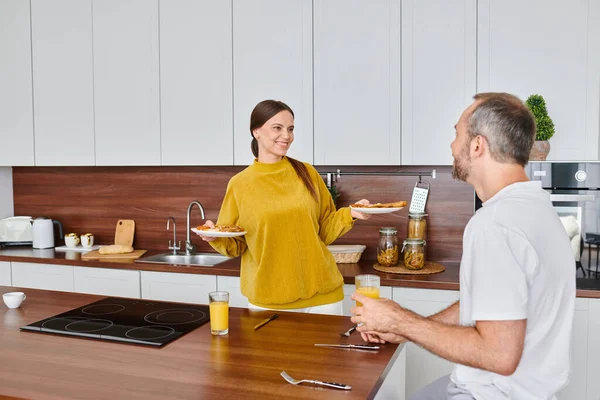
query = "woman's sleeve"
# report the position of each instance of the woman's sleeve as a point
(332, 223)
(229, 215)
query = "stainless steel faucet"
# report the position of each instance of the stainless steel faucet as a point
(189, 247)
(174, 247)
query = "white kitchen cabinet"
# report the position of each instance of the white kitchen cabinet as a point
(439, 51)
(196, 82)
(63, 83)
(347, 303)
(357, 82)
(272, 59)
(5, 276)
(394, 385)
(551, 48)
(187, 288)
(16, 108)
(577, 387)
(107, 281)
(126, 82)
(42, 276)
(231, 284)
(593, 351)
(422, 367)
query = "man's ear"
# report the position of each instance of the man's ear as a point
(478, 146)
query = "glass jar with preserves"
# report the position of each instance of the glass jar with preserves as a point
(387, 247)
(414, 253)
(417, 226)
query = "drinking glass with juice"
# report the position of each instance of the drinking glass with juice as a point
(219, 312)
(367, 285)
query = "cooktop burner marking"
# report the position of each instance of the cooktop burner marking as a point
(60, 323)
(174, 316)
(149, 332)
(103, 309)
(89, 325)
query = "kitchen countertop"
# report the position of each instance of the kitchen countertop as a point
(447, 280)
(243, 364)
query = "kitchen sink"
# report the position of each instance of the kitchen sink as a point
(203, 259)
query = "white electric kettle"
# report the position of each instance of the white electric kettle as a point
(43, 232)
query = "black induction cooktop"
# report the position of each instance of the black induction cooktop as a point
(147, 322)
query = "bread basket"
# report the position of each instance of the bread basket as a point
(346, 253)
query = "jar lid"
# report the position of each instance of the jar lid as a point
(414, 241)
(417, 214)
(389, 230)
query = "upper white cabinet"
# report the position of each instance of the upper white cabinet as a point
(552, 48)
(16, 109)
(272, 59)
(357, 82)
(63, 90)
(126, 82)
(196, 82)
(439, 51)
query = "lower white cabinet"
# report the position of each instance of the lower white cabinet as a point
(231, 284)
(592, 350)
(577, 387)
(5, 278)
(384, 292)
(107, 281)
(186, 288)
(42, 276)
(422, 367)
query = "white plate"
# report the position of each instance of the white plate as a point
(374, 210)
(218, 234)
(79, 248)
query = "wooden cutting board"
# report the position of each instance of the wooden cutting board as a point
(125, 232)
(95, 255)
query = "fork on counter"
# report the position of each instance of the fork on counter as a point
(350, 331)
(293, 381)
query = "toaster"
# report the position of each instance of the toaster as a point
(16, 231)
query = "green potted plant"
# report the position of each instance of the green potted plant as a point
(544, 127)
(335, 193)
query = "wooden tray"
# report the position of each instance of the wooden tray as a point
(95, 255)
(429, 268)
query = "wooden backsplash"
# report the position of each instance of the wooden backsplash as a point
(92, 199)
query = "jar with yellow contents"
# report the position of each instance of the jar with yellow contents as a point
(387, 247)
(417, 226)
(414, 253)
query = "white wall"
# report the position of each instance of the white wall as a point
(6, 193)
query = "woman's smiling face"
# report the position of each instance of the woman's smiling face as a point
(275, 137)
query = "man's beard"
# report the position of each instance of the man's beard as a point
(462, 166)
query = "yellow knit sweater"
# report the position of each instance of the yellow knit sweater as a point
(285, 263)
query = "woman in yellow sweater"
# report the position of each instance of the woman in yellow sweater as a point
(290, 218)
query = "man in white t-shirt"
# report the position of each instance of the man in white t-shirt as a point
(510, 332)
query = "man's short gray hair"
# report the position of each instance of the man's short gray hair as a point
(506, 123)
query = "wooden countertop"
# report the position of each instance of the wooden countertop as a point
(244, 364)
(447, 280)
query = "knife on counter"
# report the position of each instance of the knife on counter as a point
(264, 321)
(350, 346)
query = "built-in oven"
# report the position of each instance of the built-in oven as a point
(574, 189)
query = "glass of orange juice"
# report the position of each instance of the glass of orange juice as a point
(218, 303)
(367, 285)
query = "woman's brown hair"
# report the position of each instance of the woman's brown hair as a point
(264, 111)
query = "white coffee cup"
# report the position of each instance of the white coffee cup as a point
(71, 240)
(13, 299)
(87, 240)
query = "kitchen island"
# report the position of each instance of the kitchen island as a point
(243, 364)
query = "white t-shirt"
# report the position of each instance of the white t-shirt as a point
(517, 264)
